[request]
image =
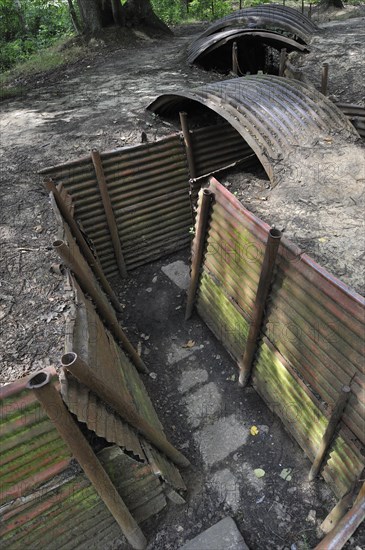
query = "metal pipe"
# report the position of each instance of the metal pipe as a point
(337, 538)
(342, 506)
(324, 79)
(198, 249)
(103, 306)
(266, 276)
(84, 247)
(53, 405)
(108, 209)
(330, 431)
(282, 62)
(188, 144)
(86, 375)
(234, 58)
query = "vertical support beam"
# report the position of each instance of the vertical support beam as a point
(337, 538)
(234, 58)
(342, 506)
(81, 371)
(282, 62)
(198, 250)
(53, 405)
(310, 11)
(103, 306)
(266, 276)
(95, 156)
(324, 79)
(302, 6)
(81, 242)
(188, 144)
(330, 431)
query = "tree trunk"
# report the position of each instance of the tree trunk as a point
(73, 16)
(140, 13)
(91, 15)
(327, 4)
(22, 21)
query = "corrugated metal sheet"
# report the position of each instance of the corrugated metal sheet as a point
(31, 450)
(99, 417)
(148, 189)
(267, 16)
(278, 118)
(136, 483)
(314, 331)
(206, 50)
(67, 513)
(218, 147)
(356, 115)
(88, 338)
(164, 468)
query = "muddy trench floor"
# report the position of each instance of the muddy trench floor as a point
(193, 385)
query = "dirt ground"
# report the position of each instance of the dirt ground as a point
(208, 416)
(99, 103)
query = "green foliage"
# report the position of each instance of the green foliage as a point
(27, 26)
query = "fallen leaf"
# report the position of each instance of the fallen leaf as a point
(254, 430)
(286, 474)
(259, 472)
(189, 344)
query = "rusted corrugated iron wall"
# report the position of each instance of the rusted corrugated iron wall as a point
(217, 147)
(313, 335)
(32, 452)
(147, 185)
(149, 192)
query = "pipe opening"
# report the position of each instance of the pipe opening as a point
(39, 380)
(275, 233)
(57, 243)
(68, 359)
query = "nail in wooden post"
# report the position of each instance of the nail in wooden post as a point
(54, 407)
(234, 58)
(330, 431)
(86, 375)
(282, 62)
(81, 242)
(104, 308)
(324, 81)
(337, 538)
(266, 276)
(188, 144)
(95, 156)
(198, 248)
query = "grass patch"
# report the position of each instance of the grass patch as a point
(41, 62)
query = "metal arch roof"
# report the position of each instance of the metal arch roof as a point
(205, 45)
(277, 117)
(272, 16)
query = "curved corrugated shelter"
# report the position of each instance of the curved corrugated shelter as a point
(269, 16)
(280, 119)
(215, 51)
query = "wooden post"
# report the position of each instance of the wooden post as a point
(342, 506)
(324, 79)
(188, 144)
(198, 250)
(330, 431)
(80, 240)
(266, 276)
(104, 308)
(234, 58)
(95, 156)
(302, 6)
(337, 538)
(81, 371)
(282, 61)
(53, 405)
